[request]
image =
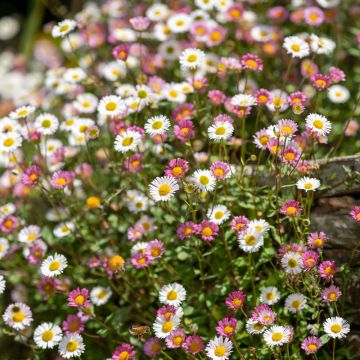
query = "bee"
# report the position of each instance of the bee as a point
(139, 330)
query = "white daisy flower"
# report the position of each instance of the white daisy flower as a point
(127, 141)
(322, 45)
(260, 226)
(74, 75)
(7, 209)
(53, 265)
(243, 100)
(278, 100)
(157, 125)
(318, 123)
(10, 142)
(254, 327)
(192, 58)
(296, 47)
(29, 234)
(338, 94)
(4, 246)
(174, 93)
(63, 28)
(270, 295)
(179, 23)
(18, 316)
(336, 327)
(2, 284)
(220, 130)
(250, 241)
(308, 184)
(47, 335)
(262, 33)
(292, 263)
(86, 103)
(163, 188)
(219, 348)
(124, 35)
(277, 335)
(22, 112)
(81, 125)
(144, 94)
(64, 229)
(295, 302)
(71, 345)
(172, 294)
(114, 70)
(46, 124)
(139, 248)
(204, 180)
(9, 125)
(218, 214)
(100, 295)
(111, 105)
(157, 12)
(163, 327)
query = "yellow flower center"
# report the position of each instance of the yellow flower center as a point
(291, 210)
(18, 317)
(177, 170)
(110, 106)
(177, 340)
(318, 242)
(308, 186)
(336, 328)
(318, 124)
(228, 329)
(220, 130)
(250, 63)
(250, 240)
(9, 142)
(270, 296)
(295, 47)
(127, 141)
(164, 189)
(155, 251)
(286, 130)
(93, 202)
(167, 326)
(124, 355)
(47, 335)
(101, 294)
(157, 125)
(46, 123)
(172, 295)
(79, 300)
(218, 215)
(206, 231)
(289, 156)
(61, 181)
(55, 265)
(312, 347)
(219, 172)
(204, 180)
(220, 350)
(292, 263)
(192, 58)
(276, 336)
(332, 296)
(71, 346)
(64, 28)
(296, 304)
(142, 94)
(116, 262)
(236, 302)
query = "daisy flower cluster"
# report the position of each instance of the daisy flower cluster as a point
(159, 167)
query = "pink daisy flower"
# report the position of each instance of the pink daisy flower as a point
(135, 232)
(235, 300)
(262, 96)
(308, 68)
(261, 139)
(216, 97)
(186, 230)
(287, 127)
(79, 297)
(310, 259)
(226, 327)
(155, 249)
(133, 163)
(61, 179)
(139, 23)
(336, 75)
(9, 224)
(240, 223)
(193, 344)
(320, 81)
(313, 16)
(72, 324)
(207, 230)
(264, 314)
(289, 155)
(311, 344)
(184, 130)
(124, 352)
(31, 176)
(252, 62)
(297, 98)
(152, 347)
(331, 294)
(166, 312)
(327, 269)
(140, 260)
(291, 208)
(317, 240)
(183, 112)
(175, 339)
(355, 213)
(177, 168)
(220, 169)
(121, 52)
